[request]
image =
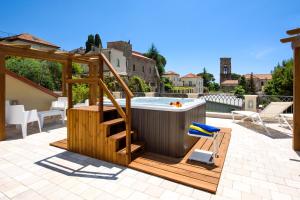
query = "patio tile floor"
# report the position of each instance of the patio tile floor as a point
(257, 167)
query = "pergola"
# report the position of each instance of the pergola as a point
(294, 39)
(95, 79)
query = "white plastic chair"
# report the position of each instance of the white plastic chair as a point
(17, 115)
(60, 104)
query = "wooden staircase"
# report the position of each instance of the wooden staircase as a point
(114, 130)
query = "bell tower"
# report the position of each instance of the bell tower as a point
(225, 69)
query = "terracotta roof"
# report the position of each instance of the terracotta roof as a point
(259, 76)
(230, 82)
(140, 55)
(170, 73)
(29, 38)
(190, 75)
(31, 83)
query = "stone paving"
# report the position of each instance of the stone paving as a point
(257, 167)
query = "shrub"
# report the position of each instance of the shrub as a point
(136, 84)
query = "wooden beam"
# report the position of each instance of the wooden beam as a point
(63, 79)
(15, 50)
(100, 76)
(83, 80)
(293, 31)
(290, 39)
(113, 100)
(296, 138)
(2, 97)
(93, 85)
(69, 76)
(117, 76)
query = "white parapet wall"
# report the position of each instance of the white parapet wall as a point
(27, 93)
(251, 102)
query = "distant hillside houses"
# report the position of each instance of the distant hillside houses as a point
(189, 80)
(228, 84)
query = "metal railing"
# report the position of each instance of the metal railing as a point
(223, 102)
(264, 100)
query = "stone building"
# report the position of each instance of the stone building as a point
(259, 80)
(226, 82)
(137, 64)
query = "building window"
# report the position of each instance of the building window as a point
(118, 62)
(143, 68)
(262, 83)
(190, 83)
(149, 69)
(133, 68)
(225, 69)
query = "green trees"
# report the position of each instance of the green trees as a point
(239, 91)
(243, 84)
(235, 76)
(44, 73)
(93, 41)
(98, 42)
(159, 59)
(167, 84)
(136, 84)
(209, 81)
(251, 89)
(282, 79)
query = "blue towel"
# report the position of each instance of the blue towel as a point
(206, 127)
(195, 132)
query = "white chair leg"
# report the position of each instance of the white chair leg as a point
(264, 125)
(24, 130)
(232, 117)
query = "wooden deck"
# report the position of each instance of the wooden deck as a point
(190, 173)
(63, 144)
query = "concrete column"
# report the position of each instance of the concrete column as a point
(251, 102)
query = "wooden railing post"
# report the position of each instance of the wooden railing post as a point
(296, 139)
(92, 86)
(101, 89)
(69, 76)
(63, 79)
(128, 128)
(2, 97)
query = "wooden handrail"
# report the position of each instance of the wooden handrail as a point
(129, 95)
(111, 97)
(119, 79)
(83, 80)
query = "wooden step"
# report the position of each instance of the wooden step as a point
(119, 135)
(113, 122)
(134, 147)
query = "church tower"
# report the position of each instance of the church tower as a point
(225, 69)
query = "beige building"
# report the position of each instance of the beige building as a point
(28, 39)
(260, 80)
(229, 85)
(173, 77)
(117, 59)
(189, 80)
(194, 81)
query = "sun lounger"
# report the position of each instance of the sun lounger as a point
(284, 118)
(272, 111)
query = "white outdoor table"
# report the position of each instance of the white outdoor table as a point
(51, 113)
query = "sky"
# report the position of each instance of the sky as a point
(191, 34)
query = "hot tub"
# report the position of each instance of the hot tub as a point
(163, 127)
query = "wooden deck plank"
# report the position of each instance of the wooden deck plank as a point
(63, 144)
(181, 170)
